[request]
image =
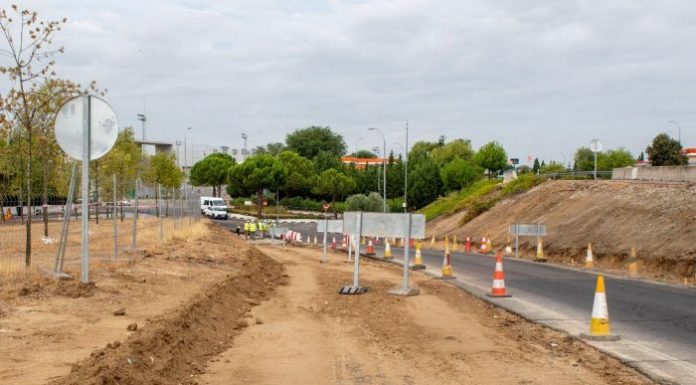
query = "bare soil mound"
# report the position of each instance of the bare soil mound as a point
(658, 219)
(174, 348)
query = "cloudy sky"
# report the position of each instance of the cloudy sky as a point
(541, 77)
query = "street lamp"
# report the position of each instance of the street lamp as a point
(384, 162)
(142, 118)
(178, 155)
(678, 126)
(186, 147)
(244, 137)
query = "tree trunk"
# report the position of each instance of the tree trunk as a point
(45, 195)
(259, 195)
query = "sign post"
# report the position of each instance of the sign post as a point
(538, 230)
(86, 128)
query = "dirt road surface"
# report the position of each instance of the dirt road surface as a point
(308, 334)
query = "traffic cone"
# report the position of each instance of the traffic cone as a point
(489, 243)
(418, 260)
(454, 243)
(344, 243)
(484, 246)
(316, 241)
(447, 262)
(370, 248)
(633, 263)
(411, 242)
(498, 289)
(540, 251)
(333, 242)
(589, 260)
(599, 325)
(508, 247)
(467, 245)
(387, 250)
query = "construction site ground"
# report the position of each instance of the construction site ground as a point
(213, 309)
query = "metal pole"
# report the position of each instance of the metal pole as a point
(113, 217)
(159, 210)
(356, 269)
(384, 160)
(517, 240)
(135, 217)
(58, 266)
(406, 174)
(406, 254)
(326, 229)
(86, 142)
(350, 246)
(595, 165)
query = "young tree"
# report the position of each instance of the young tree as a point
(459, 173)
(161, 169)
(665, 151)
(552, 168)
(326, 160)
(310, 141)
(212, 171)
(255, 174)
(364, 154)
(369, 203)
(334, 184)
(28, 50)
(492, 157)
(124, 161)
(537, 166)
(614, 159)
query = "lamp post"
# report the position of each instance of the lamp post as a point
(142, 118)
(186, 147)
(244, 152)
(178, 154)
(384, 162)
(404, 160)
(678, 126)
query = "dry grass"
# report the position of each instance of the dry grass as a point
(13, 238)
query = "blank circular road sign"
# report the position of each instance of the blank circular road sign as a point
(595, 145)
(72, 120)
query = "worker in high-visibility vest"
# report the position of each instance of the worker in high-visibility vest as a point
(246, 230)
(252, 229)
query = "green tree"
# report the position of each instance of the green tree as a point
(161, 169)
(212, 171)
(310, 141)
(552, 168)
(584, 159)
(425, 184)
(458, 148)
(665, 151)
(459, 173)
(300, 173)
(364, 154)
(614, 159)
(123, 160)
(334, 184)
(326, 160)
(537, 166)
(368, 203)
(492, 157)
(255, 174)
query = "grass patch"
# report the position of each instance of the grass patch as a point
(523, 183)
(457, 201)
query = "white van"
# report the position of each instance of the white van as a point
(214, 207)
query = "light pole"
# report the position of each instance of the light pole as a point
(678, 126)
(404, 160)
(384, 162)
(142, 118)
(186, 147)
(244, 150)
(178, 154)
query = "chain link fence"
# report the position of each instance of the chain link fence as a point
(121, 225)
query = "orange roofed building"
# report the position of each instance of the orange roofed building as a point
(361, 163)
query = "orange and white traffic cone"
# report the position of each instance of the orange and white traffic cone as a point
(447, 262)
(508, 246)
(418, 260)
(484, 246)
(387, 250)
(467, 245)
(489, 243)
(633, 263)
(370, 248)
(589, 258)
(344, 244)
(540, 251)
(599, 325)
(333, 242)
(498, 289)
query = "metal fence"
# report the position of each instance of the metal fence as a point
(119, 228)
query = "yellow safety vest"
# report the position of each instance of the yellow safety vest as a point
(246, 227)
(252, 227)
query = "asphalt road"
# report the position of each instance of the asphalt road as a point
(657, 322)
